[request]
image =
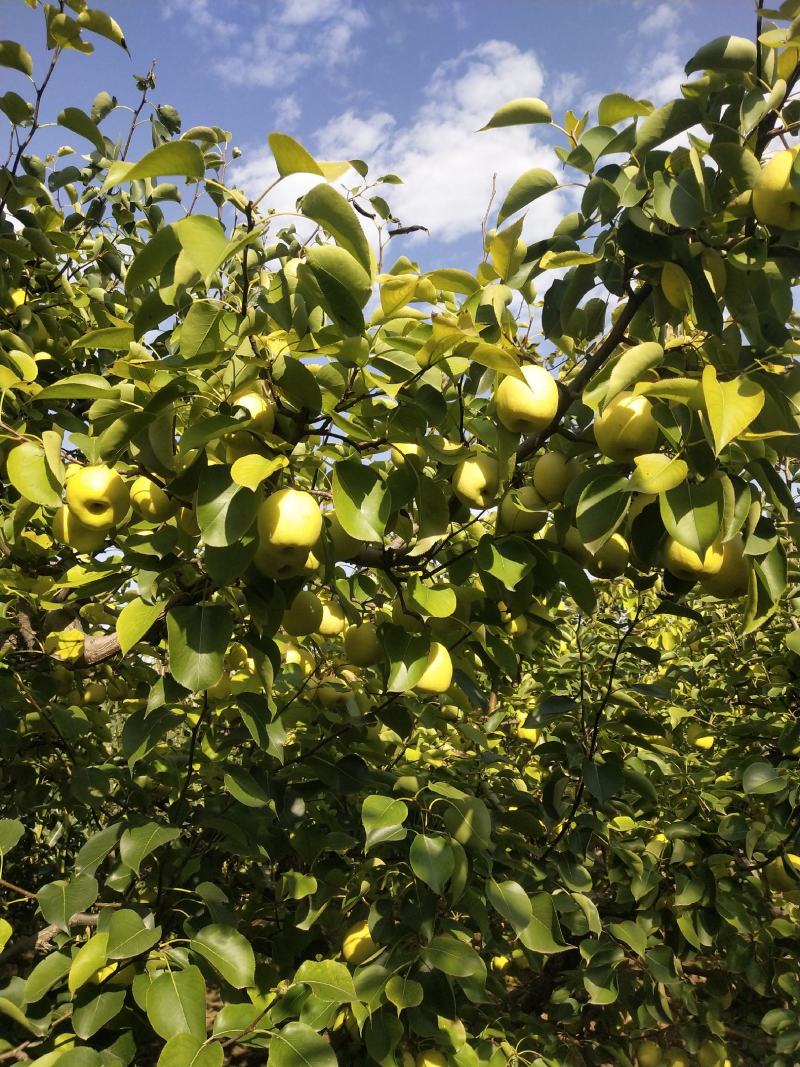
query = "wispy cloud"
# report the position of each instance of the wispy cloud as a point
(287, 111)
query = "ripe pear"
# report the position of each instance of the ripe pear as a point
(775, 201)
(686, 564)
(676, 1057)
(712, 1053)
(698, 735)
(301, 656)
(438, 673)
(94, 693)
(529, 406)
(285, 562)
(330, 690)
(98, 497)
(358, 945)
(150, 500)
(626, 428)
(403, 449)
(304, 614)
(362, 646)
(431, 1058)
(289, 519)
(611, 559)
(500, 964)
(522, 511)
(69, 531)
(732, 580)
(778, 877)
(648, 1053)
(574, 546)
(333, 619)
(260, 409)
(551, 476)
(476, 480)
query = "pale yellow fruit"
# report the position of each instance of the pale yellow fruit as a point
(333, 619)
(698, 735)
(301, 656)
(522, 511)
(551, 476)
(289, 518)
(150, 500)
(260, 409)
(775, 201)
(405, 448)
(529, 406)
(676, 1057)
(476, 480)
(611, 559)
(344, 546)
(626, 428)
(516, 626)
(500, 964)
(686, 564)
(778, 877)
(438, 673)
(528, 733)
(732, 580)
(675, 285)
(94, 693)
(97, 497)
(648, 1053)
(220, 689)
(330, 691)
(304, 614)
(361, 645)
(285, 562)
(712, 1053)
(69, 531)
(358, 945)
(431, 1058)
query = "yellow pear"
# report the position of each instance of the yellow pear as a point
(574, 546)
(551, 475)
(522, 511)
(699, 736)
(260, 409)
(300, 656)
(358, 945)
(500, 963)
(97, 497)
(94, 693)
(732, 580)
(289, 518)
(330, 690)
(304, 614)
(438, 673)
(686, 564)
(529, 406)
(676, 1057)
(626, 428)
(431, 1058)
(403, 449)
(69, 531)
(712, 1053)
(150, 500)
(611, 559)
(333, 619)
(284, 562)
(775, 201)
(362, 646)
(648, 1053)
(777, 875)
(476, 480)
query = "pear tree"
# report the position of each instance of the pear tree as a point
(400, 666)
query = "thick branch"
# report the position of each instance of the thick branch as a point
(568, 394)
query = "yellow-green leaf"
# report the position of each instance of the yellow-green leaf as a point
(731, 406)
(520, 112)
(174, 157)
(527, 188)
(291, 157)
(656, 473)
(252, 470)
(570, 258)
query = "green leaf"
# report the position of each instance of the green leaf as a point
(186, 1050)
(601, 507)
(432, 861)
(665, 122)
(344, 285)
(328, 980)
(492, 356)
(731, 406)
(693, 513)
(97, 1009)
(468, 820)
(632, 365)
(173, 157)
(631, 934)
(204, 242)
(511, 901)
(403, 992)
(198, 636)
(297, 1045)
(111, 338)
(437, 601)
(615, 107)
(29, 472)
(60, 900)
(13, 55)
(407, 655)
(228, 952)
(555, 260)
(361, 500)
(129, 936)
(543, 933)
(520, 112)
(527, 188)
(45, 975)
(95, 850)
(657, 473)
(201, 337)
(176, 1003)
(11, 830)
(453, 280)
(762, 779)
(291, 157)
(509, 560)
(78, 387)
(134, 621)
(138, 842)
(325, 206)
(72, 118)
(225, 510)
(382, 819)
(89, 958)
(724, 54)
(451, 956)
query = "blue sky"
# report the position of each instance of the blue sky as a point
(403, 84)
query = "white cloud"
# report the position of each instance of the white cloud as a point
(200, 18)
(662, 18)
(287, 111)
(352, 136)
